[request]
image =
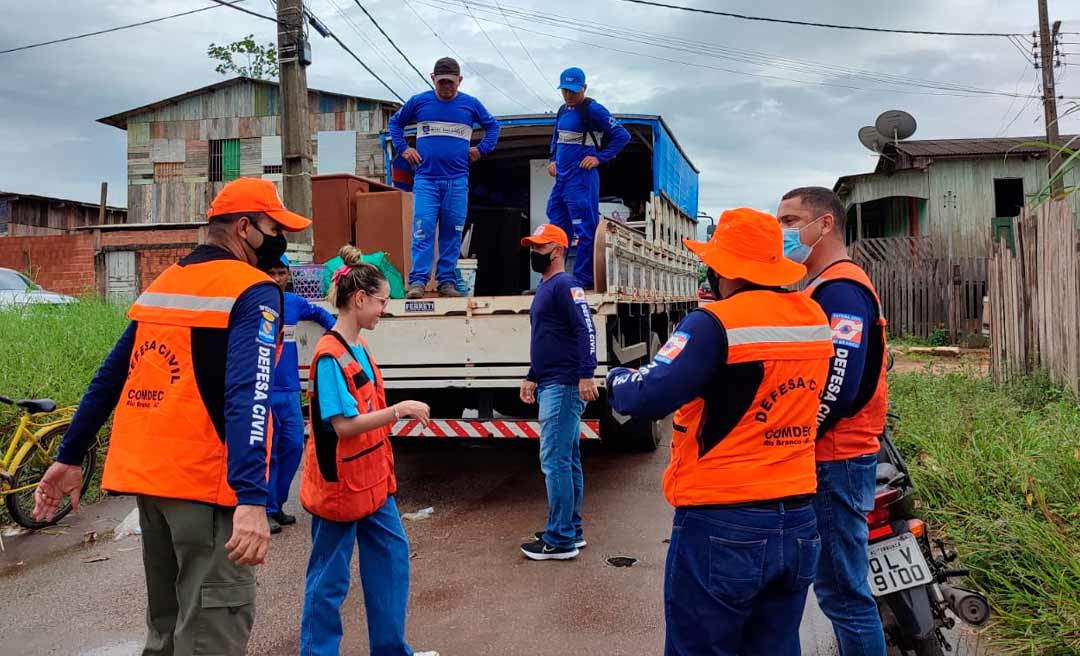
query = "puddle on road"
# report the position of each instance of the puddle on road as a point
(128, 648)
(622, 561)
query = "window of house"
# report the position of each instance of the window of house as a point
(271, 169)
(1008, 196)
(224, 160)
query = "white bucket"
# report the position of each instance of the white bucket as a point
(466, 271)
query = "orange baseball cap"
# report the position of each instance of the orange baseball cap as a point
(547, 234)
(256, 195)
(748, 244)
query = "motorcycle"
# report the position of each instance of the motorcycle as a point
(909, 581)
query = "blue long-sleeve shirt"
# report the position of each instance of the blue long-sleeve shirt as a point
(246, 456)
(852, 313)
(563, 345)
(443, 132)
(297, 309)
(566, 139)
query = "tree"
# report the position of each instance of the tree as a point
(261, 61)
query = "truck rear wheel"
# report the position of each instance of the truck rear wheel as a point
(634, 434)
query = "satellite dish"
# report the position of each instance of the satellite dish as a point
(872, 139)
(895, 124)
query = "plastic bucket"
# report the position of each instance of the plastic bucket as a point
(466, 272)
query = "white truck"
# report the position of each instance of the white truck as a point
(466, 357)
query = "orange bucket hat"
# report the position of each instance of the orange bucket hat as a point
(547, 234)
(256, 195)
(748, 244)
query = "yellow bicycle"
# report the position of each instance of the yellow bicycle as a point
(29, 452)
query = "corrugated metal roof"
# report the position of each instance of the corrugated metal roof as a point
(972, 147)
(120, 120)
(14, 195)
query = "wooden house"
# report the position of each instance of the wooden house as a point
(27, 215)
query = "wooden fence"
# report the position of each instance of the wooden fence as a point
(1034, 304)
(922, 289)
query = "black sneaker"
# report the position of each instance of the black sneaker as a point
(275, 528)
(580, 544)
(284, 518)
(541, 550)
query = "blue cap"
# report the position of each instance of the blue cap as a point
(285, 260)
(572, 79)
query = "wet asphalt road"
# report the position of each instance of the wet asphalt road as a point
(472, 594)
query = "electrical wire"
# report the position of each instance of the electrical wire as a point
(403, 55)
(543, 103)
(461, 60)
(543, 76)
(833, 26)
(371, 44)
(366, 67)
(232, 5)
(1023, 108)
(116, 29)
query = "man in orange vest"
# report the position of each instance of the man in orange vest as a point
(851, 416)
(744, 375)
(190, 381)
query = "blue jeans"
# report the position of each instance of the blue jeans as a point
(845, 494)
(287, 447)
(560, 460)
(438, 205)
(574, 206)
(384, 575)
(736, 580)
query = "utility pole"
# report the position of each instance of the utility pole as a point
(1047, 40)
(294, 54)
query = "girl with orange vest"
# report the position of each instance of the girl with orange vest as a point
(348, 481)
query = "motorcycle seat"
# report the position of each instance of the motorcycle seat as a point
(886, 472)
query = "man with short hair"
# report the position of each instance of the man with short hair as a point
(851, 416)
(581, 125)
(444, 126)
(190, 381)
(562, 363)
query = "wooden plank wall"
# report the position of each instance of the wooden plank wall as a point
(922, 289)
(1035, 298)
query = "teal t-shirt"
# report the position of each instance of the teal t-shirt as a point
(334, 396)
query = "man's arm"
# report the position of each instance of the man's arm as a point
(491, 128)
(678, 373)
(576, 310)
(615, 135)
(249, 370)
(99, 400)
(554, 137)
(852, 313)
(396, 126)
(310, 312)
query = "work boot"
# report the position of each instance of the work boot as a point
(275, 528)
(415, 291)
(580, 543)
(284, 518)
(449, 290)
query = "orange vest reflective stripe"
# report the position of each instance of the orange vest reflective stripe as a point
(164, 442)
(347, 478)
(858, 434)
(769, 451)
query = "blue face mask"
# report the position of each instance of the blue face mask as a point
(794, 248)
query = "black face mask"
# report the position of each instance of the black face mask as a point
(714, 283)
(270, 250)
(540, 262)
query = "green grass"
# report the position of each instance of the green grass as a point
(998, 473)
(53, 352)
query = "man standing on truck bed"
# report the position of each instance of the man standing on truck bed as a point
(444, 124)
(562, 357)
(574, 204)
(851, 416)
(744, 374)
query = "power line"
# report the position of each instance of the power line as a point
(115, 29)
(371, 44)
(543, 76)
(461, 59)
(543, 103)
(403, 55)
(812, 24)
(366, 67)
(256, 14)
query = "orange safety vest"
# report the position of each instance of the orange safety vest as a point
(164, 441)
(858, 433)
(349, 477)
(768, 452)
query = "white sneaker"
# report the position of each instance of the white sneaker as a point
(425, 653)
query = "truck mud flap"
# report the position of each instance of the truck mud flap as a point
(476, 429)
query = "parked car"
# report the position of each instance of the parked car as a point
(17, 289)
(704, 292)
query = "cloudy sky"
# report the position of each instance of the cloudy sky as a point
(759, 107)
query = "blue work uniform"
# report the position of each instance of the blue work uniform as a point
(441, 182)
(288, 444)
(574, 204)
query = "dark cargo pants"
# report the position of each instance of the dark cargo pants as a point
(198, 601)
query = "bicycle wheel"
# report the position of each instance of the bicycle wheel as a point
(21, 504)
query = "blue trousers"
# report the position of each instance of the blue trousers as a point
(438, 206)
(574, 206)
(845, 494)
(560, 460)
(736, 580)
(384, 575)
(287, 447)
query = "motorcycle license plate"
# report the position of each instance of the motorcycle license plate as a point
(897, 564)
